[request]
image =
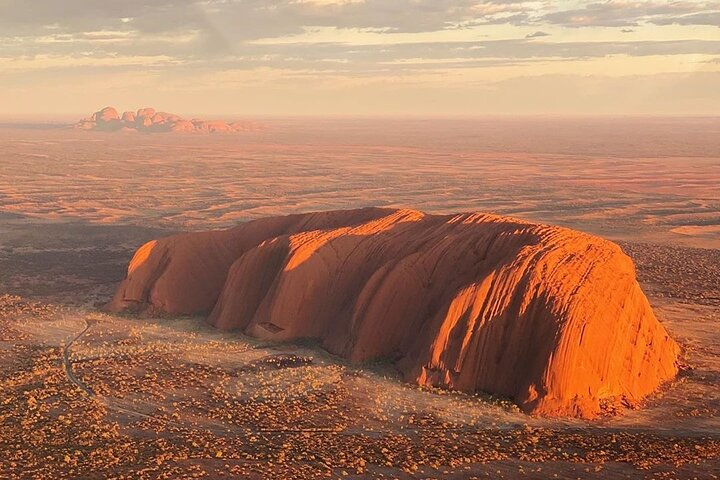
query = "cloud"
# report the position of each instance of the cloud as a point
(249, 18)
(273, 44)
(700, 18)
(208, 29)
(537, 34)
(617, 13)
(45, 62)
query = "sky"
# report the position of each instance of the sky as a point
(361, 57)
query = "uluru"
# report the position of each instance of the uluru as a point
(148, 120)
(550, 317)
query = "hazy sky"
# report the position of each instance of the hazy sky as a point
(360, 56)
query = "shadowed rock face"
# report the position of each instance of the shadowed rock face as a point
(148, 120)
(551, 317)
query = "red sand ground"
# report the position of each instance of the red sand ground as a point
(625, 179)
(174, 398)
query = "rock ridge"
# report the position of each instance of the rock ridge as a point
(148, 120)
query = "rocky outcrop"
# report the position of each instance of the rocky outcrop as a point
(548, 316)
(148, 120)
(106, 115)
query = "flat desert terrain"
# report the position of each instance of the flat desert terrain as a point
(87, 394)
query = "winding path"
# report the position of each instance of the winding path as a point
(68, 365)
(82, 386)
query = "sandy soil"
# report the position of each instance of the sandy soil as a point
(637, 179)
(171, 398)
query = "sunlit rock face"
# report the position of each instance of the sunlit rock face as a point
(148, 120)
(550, 317)
(106, 115)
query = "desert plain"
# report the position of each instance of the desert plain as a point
(89, 394)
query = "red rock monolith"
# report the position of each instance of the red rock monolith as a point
(550, 317)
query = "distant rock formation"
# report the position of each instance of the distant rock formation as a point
(550, 317)
(148, 120)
